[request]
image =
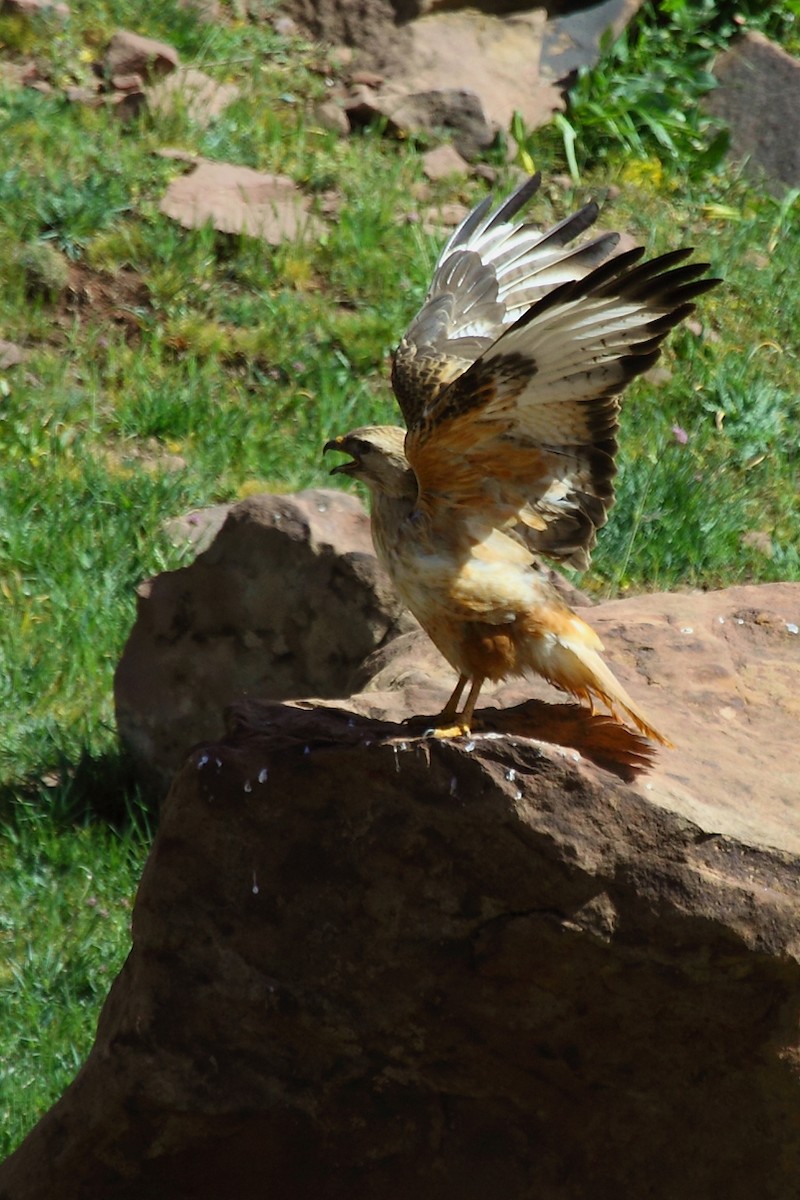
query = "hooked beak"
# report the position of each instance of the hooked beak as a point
(345, 468)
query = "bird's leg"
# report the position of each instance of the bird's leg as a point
(463, 724)
(448, 713)
(472, 700)
(451, 708)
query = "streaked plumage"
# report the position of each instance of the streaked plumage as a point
(508, 379)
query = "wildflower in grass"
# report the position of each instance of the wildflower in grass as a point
(680, 435)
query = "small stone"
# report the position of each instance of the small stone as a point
(207, 11)
(83, 95)
(11, 355)
(36, 8)
(760, 541)
(175, 154)
(128, 83)
(285, 26)
(372, 79)
(443, 162)
(197, 93)
(129, 53)
(127, 105)
(331, 116)
(659, 375)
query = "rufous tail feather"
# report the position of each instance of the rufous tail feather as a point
(580, 670)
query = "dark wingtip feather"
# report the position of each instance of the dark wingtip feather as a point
(516, 200)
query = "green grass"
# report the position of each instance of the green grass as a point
(66, 893)
(236, 362)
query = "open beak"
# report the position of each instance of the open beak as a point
(345, 468)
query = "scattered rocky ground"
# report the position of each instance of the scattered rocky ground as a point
(457, 72)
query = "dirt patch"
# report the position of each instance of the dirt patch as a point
(121, 299)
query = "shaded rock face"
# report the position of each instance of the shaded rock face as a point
(287, 601)
(367, 966)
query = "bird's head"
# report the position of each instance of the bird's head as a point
(377, 457)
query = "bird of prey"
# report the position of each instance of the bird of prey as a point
(508, 379)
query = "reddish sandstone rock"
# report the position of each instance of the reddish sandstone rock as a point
(367, 965)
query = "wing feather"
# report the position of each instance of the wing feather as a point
(490, 272)
(524, 439)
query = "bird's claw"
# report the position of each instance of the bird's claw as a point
(448, 731)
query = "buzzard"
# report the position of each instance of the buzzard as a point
(509, 380)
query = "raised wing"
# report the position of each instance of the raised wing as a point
(489, 273)
(524, 440)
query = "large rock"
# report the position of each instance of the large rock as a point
(368, 966)
(500, 59)
(289, 602)
(496, 58)
(286, 601)
(759, 98)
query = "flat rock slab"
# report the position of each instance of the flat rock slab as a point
(724, 668)
(241, 201)
(717, 672)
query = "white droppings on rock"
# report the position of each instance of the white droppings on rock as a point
(254, 888)
(306, 750)
(517, 794)
(263, 775)
(248, 787)
(470, 746)
(202, 761)
(511, 774)
(687, 629)
(791, 627)
(720, 620)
